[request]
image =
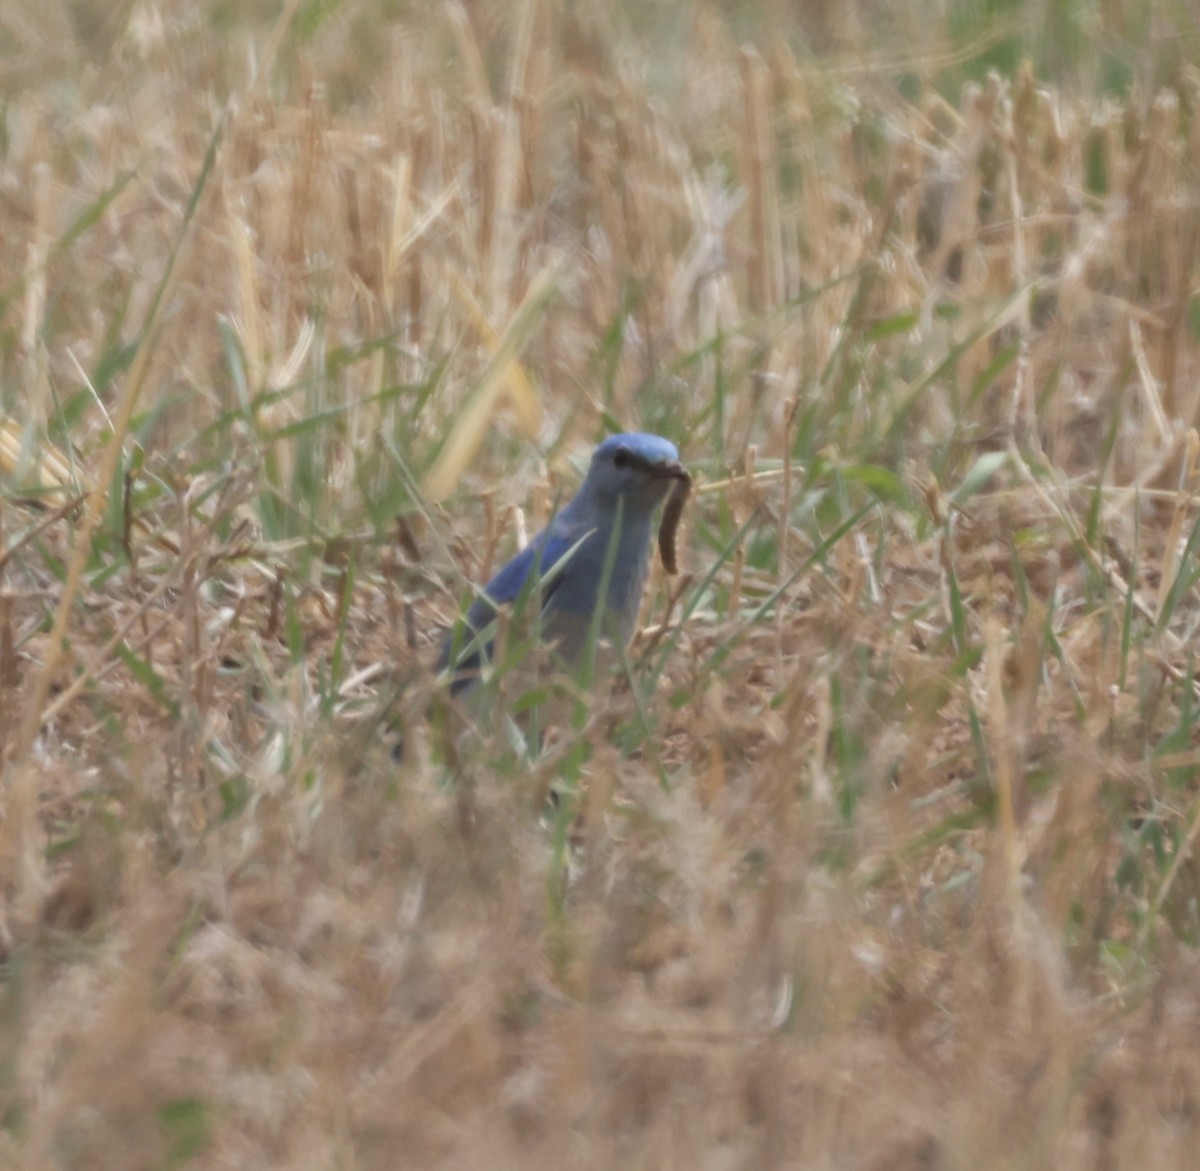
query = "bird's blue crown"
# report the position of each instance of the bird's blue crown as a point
(653, 448)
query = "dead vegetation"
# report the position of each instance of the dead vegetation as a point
(881, 855)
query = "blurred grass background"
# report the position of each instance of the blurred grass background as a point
(879, 849)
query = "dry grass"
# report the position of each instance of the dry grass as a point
(882, 854)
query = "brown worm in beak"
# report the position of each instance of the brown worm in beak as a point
(670, 520)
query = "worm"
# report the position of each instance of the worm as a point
(670, 521)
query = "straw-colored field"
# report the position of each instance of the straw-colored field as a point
(880, 850)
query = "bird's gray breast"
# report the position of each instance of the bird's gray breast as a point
(568, 613)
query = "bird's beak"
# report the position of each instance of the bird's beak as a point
(671, 469)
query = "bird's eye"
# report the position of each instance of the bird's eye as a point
(621, 459)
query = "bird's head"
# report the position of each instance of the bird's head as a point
(637, 469)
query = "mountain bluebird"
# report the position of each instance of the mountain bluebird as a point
(601, 537)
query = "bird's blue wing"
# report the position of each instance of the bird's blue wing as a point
(541, 555)
(508, 583)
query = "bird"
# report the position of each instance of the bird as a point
(601, 538)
